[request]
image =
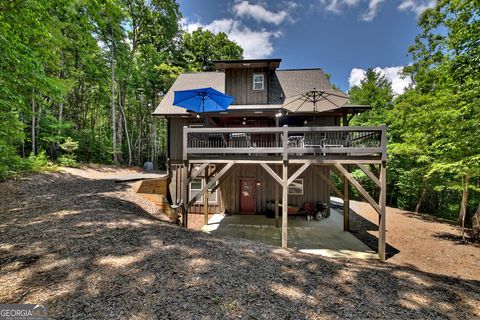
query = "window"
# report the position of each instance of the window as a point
(296, 187)
(257, 81)
(196, 186)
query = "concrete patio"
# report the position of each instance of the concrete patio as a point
(325, 238)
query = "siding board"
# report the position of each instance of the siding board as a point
(314, 188)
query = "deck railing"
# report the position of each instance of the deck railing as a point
(285, 141)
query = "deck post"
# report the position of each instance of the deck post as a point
(383, 211)
(346, 203)
(277, 200)
(205, 199)
(285, 206)
(285, 143)
(185, 177)
(184, 193)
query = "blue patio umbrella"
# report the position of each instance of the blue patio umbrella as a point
(202, 100)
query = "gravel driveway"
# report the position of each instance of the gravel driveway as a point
(89, 248)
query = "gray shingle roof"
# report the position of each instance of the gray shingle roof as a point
(284, 83)
(187, 81)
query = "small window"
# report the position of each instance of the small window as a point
(296, 187)
(196, 186)
(257, 81)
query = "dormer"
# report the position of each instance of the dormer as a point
(249, 81)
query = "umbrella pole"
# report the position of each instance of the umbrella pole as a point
(203, 112)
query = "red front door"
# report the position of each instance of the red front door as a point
(247, 195)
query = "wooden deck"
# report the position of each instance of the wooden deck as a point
(338, 148)
(285, 143)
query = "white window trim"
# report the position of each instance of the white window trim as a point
(263, 81)
(296, 194)
(200, 200)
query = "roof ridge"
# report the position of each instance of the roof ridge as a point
(301, 69)
(202, 72)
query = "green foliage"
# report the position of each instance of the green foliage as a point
(92, 148)
(69, 146)
(60, 61)
(10, 162)
(68, 160)
(374, 90)
(433, 128)
(203, 46)
(39, 163)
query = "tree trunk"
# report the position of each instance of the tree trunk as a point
(463, 206)
(154, 137)
(112, 102)
(60, 105)
(120, 104)
(34, 151)
(476, 224)
(422, 195)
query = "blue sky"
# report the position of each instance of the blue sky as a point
(343, 37)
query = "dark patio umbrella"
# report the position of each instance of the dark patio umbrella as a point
(202, 100)
(316, 101)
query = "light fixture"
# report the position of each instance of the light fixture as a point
(259, 183)
(279, 114)
(198, 116)
(244, 122)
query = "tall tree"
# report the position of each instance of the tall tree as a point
(203, 46)
(376, 91)
(446, 69)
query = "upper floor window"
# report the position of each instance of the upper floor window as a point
(258, 81)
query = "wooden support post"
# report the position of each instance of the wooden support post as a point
(359, 187)
(198, 171)
(205, 199)
(285, 143)
(277, 200)
(184, 193)
(210, 183)
(383, 211)
(285, 206)
(327, 180)
(346, 203)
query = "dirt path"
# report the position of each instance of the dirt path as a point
(418, 242)
(89, 248)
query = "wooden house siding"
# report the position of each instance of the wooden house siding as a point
(239, 84)
(314, 189)
(175, 191)
(175, 137)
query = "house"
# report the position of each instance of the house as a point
(258, 154)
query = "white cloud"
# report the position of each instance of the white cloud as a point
(259, 13)
(372, 10)
(255, 44)
(393, 74)
(417, 6)
(337, 5)
(356, 75)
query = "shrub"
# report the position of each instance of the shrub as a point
(39, 163)
(68, 160)
(10, 162)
